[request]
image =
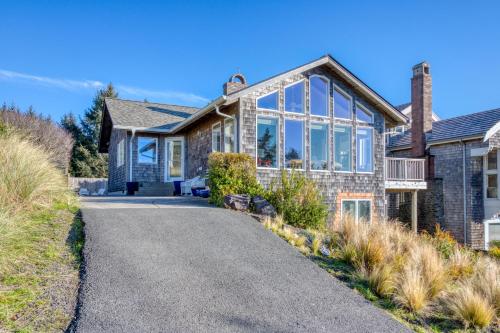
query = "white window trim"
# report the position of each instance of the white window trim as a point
(303, 144)
(487, 172)
(356, 209)
(166, 175)
(365, 109)
(487, 231)
(265, 95)
(327, 124)
(233, 119)
(373, 150)
(327, 96)
(334, 149)
(220, 134)
(348, 96)
(120, 154)
(278, 142)
(156, 150)
(303, 98)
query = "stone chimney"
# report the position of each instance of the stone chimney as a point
(421, 107)
(236, 82)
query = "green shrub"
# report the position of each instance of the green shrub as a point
(232, 173)
(298, 200)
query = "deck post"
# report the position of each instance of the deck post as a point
(414, 216)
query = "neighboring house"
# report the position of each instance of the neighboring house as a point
(462, 168)
(318, 118)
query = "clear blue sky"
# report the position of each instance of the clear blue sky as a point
(55, 54)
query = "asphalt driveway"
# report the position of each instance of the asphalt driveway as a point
(178, 265)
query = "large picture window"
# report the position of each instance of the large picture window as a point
(267, 142)
(359, 210)
(363, 115)
(294, 98)
(319, 146)
(341, 104)
(364, 149)
(216, 137)
(268, 102)
(343, 144)
(147, 149)
(319, 91)
(294, 144)
(229, 136)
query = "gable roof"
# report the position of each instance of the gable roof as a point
(457, 128)
(157, 117)
(395, 115)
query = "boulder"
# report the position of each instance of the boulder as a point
(237, 202)
(263, 207)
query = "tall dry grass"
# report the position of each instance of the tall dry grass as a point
(28, 178)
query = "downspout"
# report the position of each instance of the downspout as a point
(217, 111)
(464, 185)
(130, 155)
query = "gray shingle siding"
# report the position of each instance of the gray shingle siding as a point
(117, 175)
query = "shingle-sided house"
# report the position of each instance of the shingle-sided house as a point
(318, 118)
(462, 167)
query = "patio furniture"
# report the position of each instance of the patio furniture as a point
(194, 183)
(83, 191)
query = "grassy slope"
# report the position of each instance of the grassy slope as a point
(40, 255)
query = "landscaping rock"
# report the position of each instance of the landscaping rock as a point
(237, 202)
(324, 251)
(263, 207)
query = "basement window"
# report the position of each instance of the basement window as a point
(357, 209)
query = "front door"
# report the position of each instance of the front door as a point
(174, 159)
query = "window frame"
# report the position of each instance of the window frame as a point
(303, 113)
(335, 149)
(303, 144)
(328, 140)
(120, 153)
(278, 141)
(327, 96)
(356, 209)
(219, 123)
(373, 150)
(156, 150)
(486, 173)
(233, 119)
(265, 95)
(364, 109)
(348, 96)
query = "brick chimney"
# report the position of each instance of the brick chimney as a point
(421, 107)
(236, 82)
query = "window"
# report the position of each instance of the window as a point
(120, 154)
(343, 142)
(492, 175)
(216, 137)
(359, 210)
(294, 144)
(319, 91)
(267, 142)
(364, 149)
(268, 102)
(229, 136)
(319, 146)
(294, 98)
(341, 104)
(363, 115)
(147, 150)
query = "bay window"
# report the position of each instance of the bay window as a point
(294, 144)
(364, 149)
(319, 91)
(267, 142)
(319, 146)
(343, 144)
(294, 97)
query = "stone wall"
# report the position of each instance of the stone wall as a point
(117, 175)
(332, 184)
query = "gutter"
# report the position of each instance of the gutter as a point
(213, 105)
(436, 143)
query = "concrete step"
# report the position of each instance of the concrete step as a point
(155, 189)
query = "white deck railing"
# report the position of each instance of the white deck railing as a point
(404, 169)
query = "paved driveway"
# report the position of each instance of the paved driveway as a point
(178, 265)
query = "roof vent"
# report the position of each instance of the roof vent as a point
(235, 83)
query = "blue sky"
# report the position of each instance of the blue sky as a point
(55, 54)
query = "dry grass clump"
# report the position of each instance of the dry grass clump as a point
(27, 177)
(460, 263)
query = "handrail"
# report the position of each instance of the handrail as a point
(404, 169)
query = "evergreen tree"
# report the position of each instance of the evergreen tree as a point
(86, 161)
